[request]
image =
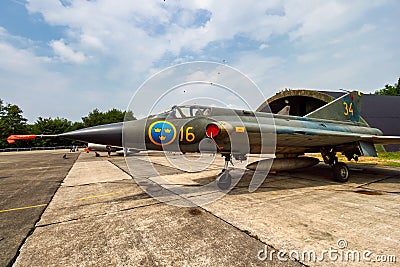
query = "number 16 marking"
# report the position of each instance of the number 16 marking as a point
(189, 137)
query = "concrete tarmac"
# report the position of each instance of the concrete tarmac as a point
(100, 216)
(28, 181)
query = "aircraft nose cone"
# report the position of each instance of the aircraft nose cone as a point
(108, 134)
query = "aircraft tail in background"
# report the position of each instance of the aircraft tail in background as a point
(345, 108)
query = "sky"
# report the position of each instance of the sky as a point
(65, 58)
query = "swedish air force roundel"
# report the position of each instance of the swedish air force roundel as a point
(162, 133)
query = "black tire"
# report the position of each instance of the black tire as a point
(224, 180)
(341, 172)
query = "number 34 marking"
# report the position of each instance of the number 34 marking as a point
(348, 108)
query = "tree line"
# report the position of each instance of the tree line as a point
(390, 89)
(12, 121)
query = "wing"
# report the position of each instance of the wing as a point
(381, 139)
(311, 142)
(315, 140)
(332, 139)
(304, 139)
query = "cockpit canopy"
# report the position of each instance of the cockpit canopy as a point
(187, 111)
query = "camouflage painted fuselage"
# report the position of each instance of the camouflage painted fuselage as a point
(242, 132)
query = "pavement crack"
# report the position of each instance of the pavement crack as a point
(379, 180)
(59, 222)
(100, 182)
(96, 215)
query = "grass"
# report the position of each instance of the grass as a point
(389, 155)
(390, 158)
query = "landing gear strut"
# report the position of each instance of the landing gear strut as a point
(340, 169)
(224, 179)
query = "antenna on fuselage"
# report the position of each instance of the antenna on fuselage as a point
(344, 90)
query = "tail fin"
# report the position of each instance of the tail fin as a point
(345, 108)
(284, 111)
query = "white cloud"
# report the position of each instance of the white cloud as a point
(258, 66)
(325, 17)
(66, 53)
(143, 31)
(115, 45)
(309, 57)
(28, 81)
(91, 42)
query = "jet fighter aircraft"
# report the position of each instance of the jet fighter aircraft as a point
(335, 127)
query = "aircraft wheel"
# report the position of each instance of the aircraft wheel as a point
(341, 172)
(224, 180)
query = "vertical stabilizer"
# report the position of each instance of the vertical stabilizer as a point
(345, 108)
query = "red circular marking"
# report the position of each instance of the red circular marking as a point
(351, 96)
(212, 130)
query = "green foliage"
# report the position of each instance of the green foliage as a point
(129, 116)
(113, 115)
(1, 108)
(76, 126)
(11, 122)
(393, 90)
(51, 126)
(13, 119)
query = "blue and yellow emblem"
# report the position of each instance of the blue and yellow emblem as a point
(162, 133)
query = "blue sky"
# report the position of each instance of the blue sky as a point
(65, 58)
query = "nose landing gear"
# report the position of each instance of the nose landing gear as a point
(224, 179)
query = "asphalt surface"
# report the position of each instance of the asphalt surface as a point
(28, 181)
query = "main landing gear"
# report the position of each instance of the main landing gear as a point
(340, 169)
(224, 179)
